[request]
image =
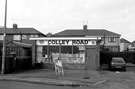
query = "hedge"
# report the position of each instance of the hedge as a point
(106, 57)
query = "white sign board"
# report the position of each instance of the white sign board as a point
(66, 42)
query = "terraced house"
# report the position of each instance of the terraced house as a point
(19, 36)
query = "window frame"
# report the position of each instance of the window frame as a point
(112, 39)
(16, 37)
(24, 37)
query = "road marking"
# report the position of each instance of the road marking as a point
(99, 82)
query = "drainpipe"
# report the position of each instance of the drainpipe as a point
(104, 42)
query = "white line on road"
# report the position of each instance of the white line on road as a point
(99, 82)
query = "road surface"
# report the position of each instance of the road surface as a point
(22, 85)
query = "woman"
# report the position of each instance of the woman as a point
(58, 67)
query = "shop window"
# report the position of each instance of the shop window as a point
(68, 54)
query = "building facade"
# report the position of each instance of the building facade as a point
(125, 45)
(71, 50)
(110, 41)
(72, 46)
(77, 46)
(22, 35)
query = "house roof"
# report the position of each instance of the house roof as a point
(20, 44)
(20, 31)
(88, 32)
(122, 40)
(133, 41)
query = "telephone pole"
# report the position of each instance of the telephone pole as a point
(4, 40)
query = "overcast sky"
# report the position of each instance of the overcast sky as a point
(57, 15)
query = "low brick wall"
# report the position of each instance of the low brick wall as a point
(48, 66)
(65, 66)
(74, 66)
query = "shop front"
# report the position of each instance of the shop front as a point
(75, 50)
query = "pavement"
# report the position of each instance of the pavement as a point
(47, 76)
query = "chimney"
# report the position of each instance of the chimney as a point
(85, 27)
(14, 26)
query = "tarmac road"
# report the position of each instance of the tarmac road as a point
(105, 85)
(22, 85)
(98, 80)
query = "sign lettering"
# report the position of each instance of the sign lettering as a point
(67, 42)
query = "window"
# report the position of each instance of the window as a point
(33, 35)
(36, 35)
(68, 54)
(112, 39)
(1, 37)
(24, 36)
(17, 37)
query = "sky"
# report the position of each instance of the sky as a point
(57, 15)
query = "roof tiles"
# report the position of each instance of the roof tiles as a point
(89, 32)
